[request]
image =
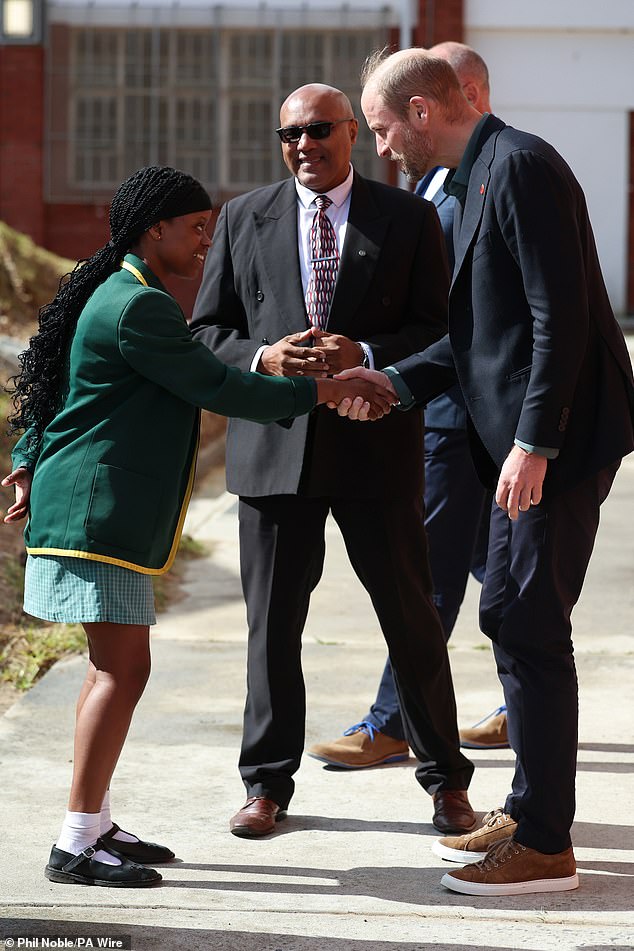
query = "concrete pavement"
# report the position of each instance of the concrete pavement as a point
(351, 868)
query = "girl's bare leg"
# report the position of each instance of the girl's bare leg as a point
(118, 672)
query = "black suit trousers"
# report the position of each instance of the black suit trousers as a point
(282, 551)
(535, 571)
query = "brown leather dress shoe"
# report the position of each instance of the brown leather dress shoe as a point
(257, 817)
(453, 812)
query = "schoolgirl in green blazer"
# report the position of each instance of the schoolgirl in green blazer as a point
(115, 469)
(109, 396)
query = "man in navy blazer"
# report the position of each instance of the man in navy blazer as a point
(547, 382)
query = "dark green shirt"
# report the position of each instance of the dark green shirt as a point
(457, 181)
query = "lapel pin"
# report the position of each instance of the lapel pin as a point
(482, 188)
(361, 253)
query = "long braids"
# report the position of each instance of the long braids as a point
(149, 195)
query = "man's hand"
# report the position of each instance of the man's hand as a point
(339, 352)
(288, 357)
(21, 478)
(368, 400)
(355, 403)
(355, 408)
(520, 482)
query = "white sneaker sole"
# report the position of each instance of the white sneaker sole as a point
(512, 888)
(456, 855)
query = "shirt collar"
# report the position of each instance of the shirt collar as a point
(337, 195)
(457, 180)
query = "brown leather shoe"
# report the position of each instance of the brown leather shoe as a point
(453, 812)
(257, 817)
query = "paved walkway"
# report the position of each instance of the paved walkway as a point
(351, 868)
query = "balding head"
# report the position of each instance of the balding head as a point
(415, 106)
(319, 163)
(470, 69)
(319, 94)
(398, 77)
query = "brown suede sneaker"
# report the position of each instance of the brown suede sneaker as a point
(474, 846)
(490, 733)
(513, 869)
(360, 747)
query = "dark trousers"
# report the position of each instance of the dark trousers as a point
(456, 522)
(535, 571)
(281, 555)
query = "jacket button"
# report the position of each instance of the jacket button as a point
(386, 301)
(259, 296)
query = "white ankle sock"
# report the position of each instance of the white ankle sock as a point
(105, 819)
(106, 823)
(79, 830)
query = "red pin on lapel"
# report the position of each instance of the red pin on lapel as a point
(482, 189)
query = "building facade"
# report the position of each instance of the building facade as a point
(91, 91)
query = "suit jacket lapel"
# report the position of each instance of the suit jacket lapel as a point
(276, 234)
(466, 229)
(440, 197)
(365, 234)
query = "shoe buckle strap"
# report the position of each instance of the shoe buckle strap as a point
(78, 859)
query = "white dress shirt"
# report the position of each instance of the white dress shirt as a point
(338, 214)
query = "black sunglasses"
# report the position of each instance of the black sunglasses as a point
(314, 130)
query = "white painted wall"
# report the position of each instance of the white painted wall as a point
(564, 69)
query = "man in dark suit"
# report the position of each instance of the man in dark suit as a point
(388, 299)
(456, 504)
(547, 382)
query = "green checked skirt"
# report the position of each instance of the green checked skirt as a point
(78, 590)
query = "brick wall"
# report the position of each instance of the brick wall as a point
(439, 20)
(21, 142)
(75, 230)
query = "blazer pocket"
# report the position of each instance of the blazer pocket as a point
(518, 374)
(123, 508)
(482, 245)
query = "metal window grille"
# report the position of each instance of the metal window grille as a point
(204, 100)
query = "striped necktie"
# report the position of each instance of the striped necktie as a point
(324, 264)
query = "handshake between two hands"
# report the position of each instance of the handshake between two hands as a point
(332, 360)
(359, 393)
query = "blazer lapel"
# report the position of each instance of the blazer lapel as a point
(276, 235)
(440, 197)
(467, 225)
(365, 234)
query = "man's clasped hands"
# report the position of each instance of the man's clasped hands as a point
(363, 394)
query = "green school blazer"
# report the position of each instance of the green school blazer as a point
(115, 469)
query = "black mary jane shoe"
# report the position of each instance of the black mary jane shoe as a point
(82, 869)
(143, 852)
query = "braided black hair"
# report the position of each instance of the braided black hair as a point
(148, 196)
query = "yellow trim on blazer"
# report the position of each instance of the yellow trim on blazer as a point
(134, 270)
(109, 560)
